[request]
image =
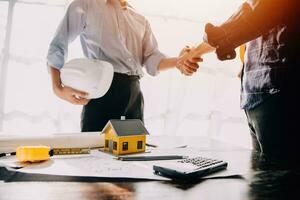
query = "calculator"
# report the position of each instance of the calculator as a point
(190, 168)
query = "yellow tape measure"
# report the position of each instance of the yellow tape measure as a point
(70, 151)
(43, 153)
(33, 153)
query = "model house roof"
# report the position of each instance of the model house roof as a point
(127, 127)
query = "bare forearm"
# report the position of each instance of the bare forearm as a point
(197, 52)
(201, 49)
(66, 93)
(55, 77)
(167, 63)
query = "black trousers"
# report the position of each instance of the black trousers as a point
(124, 98)
(274, 127)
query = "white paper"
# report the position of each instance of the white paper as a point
(103, 166)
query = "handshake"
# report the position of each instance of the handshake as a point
(188, 59)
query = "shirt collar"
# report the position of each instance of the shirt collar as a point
(117, 2)
(106, 1)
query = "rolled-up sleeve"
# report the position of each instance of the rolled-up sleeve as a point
(253, 19)
(151, 54)
(70, 27)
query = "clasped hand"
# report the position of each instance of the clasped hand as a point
(186, 63)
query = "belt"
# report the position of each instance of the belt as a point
(126, 76)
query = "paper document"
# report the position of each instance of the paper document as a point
(91, 166)
(103, 165)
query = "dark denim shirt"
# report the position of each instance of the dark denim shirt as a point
(271, 30)
(265, 68)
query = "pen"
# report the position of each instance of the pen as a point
(149, 158)
(151, 145)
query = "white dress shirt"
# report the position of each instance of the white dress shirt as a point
(107, 32)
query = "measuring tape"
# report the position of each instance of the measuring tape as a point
(33, 153)
(43, 153)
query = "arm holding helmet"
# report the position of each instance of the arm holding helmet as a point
(70, 27)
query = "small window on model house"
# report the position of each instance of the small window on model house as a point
(115, 146)
(125, 146)
(140, 145)
(106, 143)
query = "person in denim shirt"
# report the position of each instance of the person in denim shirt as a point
(269, 82)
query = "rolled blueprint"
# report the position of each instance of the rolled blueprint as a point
(69, 140)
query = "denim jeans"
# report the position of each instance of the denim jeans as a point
(273, 127)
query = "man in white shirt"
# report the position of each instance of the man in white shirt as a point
(112, 31)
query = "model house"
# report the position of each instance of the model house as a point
(125, 136)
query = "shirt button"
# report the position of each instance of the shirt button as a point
(228, 56)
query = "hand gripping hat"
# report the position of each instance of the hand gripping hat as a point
(87, 75)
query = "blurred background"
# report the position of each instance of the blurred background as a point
(206, 104)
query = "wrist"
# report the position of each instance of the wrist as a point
(57, 88)
(177, 65)
(177, 60)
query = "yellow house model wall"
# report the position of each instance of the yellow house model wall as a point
(110, 135)
(132, 144)
(131, 140)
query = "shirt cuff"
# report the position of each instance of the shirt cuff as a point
(152, 63)
(56, 60)
(236, 31)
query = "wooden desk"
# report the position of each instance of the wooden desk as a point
(255, 186)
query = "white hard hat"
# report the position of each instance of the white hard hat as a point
(88, 75)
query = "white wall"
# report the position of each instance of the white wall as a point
(205, 104)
